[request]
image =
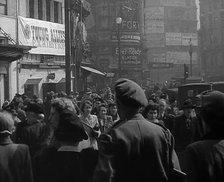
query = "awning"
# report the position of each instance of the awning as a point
(10, 52)
(33, 81)
(93, 70)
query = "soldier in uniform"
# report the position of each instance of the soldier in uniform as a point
(134, 149)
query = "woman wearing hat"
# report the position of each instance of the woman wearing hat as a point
(59, 161)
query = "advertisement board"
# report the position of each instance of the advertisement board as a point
(173, 39)
(189, 37)
(180, 57)
(155, 40)
(47, 37)
(154, 13)
(156, 57)
(154, 26)
(130, 56)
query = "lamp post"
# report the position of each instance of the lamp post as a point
(118, 22)
(190, 54)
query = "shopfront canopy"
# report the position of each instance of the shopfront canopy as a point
(11, 53)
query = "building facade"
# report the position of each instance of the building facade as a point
(116, 47)
(170, 39)
(212, 39)
(39, 25)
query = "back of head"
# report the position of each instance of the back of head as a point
(6, 123)
(130, 93)
(212, 108)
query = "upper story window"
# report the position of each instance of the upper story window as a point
(3, 7)
(31, 8)
(40, 9)
(57, 12)
(48, 10)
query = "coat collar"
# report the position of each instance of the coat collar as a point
(5, 141)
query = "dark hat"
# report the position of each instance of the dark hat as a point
(188, 104)
(70, 128)
(212, 102)
(129, 92)
(34, 107)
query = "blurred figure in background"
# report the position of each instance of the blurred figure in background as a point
(205, 159)
(15, 162)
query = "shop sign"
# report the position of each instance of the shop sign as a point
(154, 26)
(47, 37)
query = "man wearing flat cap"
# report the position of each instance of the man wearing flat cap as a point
(135, 149)
(205, 158)
(186, 129)
(15, 163)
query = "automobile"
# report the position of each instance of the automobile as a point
(191, 91)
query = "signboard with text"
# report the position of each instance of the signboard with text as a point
(176, 57)
(47, 37)
(155, 40)
(173, 39)
(130, 56)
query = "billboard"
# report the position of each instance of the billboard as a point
(176, 57)
(189, 37)
(47, 37)
(175, 2)
(154, 26)
(156, 57)
(130, 56)
(173, 39)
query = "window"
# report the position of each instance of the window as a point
(3, 7)
(40, 9)
(48, 10)
(31, 8)
(56, 12)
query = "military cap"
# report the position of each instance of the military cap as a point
(212, 102)
(129, 92)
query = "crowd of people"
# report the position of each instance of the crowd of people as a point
(121, 134)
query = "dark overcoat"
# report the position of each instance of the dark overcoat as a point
(138, 151)
(15, 162)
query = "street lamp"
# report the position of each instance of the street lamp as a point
(190, 54)
(118, 22)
